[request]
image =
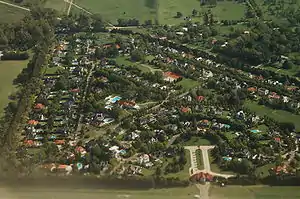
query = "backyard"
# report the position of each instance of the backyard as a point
(279, 115)
(9, 70)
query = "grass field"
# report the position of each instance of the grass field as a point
(9, 70)
(197, 141)
(254, 192)
(61, 193)
(161, 10)
(279, 115)
(114, 9)
(10, 14)
(188, 84)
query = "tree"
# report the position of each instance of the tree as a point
(194, 12)
(205, 19)
(287, 64)
(137, 55)
(179, 15)
(211, 19)
(98, 23)
(148, 22)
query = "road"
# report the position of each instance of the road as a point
(79, 125)
(70, 6)
(13, 5)
(203, 188)
(172, 140)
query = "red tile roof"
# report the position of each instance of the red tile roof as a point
(252, 89)
(59, 142)
(39, 106)
(185, 109)
(171, 75)
(33, 122)
(200, 98)
(75, 90)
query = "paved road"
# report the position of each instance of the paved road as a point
(203, 188)
(13, 5)
(172, 140)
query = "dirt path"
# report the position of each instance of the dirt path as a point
(70, 6)
(13, 5)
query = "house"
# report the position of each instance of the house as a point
(170, 76)
(273, 95)
(33, 122)
(128, 104)
(80, 150)
(39, 106)
(144, 159)
(202, 177)
(262, 91)
(200, 98)
(252, 89)
(185, 109)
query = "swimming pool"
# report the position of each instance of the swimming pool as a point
(115, 99)
(255, 131)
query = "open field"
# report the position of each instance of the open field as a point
(279, 115)
(161, 10)
(88, 193)
(114, 9)
(10, 14)
(254, 192)
(9, 70)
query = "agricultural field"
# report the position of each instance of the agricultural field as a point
(279, 115)
(9, 70)
(254, 192)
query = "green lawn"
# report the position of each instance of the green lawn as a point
(9, 70)
(10, 14)
(263, 171)
(188, 84)
(197, 141)
(279, 115)
(254, 192)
